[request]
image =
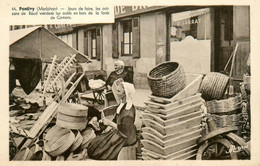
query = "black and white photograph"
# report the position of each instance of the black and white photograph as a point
(158, 83)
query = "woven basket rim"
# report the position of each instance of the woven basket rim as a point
(161, 64)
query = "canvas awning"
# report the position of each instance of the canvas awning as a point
(188, 14)
(39, 43)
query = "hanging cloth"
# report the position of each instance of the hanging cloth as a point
(28, 72)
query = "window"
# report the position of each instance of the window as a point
(127, 45)
(93, 42)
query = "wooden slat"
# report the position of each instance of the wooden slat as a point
(186, 155)
(181, 112)
(169, 150)
(175, 127)
(169, 136)
(168, 157)
(174, 104)
(163, 122)
(170, 142)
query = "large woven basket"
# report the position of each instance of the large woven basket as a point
(225, 105)
(227, 120)
(167, 79)
(213, 86)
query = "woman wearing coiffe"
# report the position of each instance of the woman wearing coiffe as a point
(123, 133)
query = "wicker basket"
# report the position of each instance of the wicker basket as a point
(213, 86)
(224, 106)
(227, 120)
(167, 79)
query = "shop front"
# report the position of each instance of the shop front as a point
(190, 39)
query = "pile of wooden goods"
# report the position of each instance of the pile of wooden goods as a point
(67, 140)
(172, 125)
(171, 130)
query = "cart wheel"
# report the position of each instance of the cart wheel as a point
(99, 96)
(216, 149)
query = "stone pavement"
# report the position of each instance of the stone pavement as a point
(140, 96)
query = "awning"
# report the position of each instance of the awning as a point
(39, 43)
(189, 14)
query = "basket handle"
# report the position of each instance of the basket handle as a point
(166, 77)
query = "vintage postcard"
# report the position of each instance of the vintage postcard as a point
(116, 82)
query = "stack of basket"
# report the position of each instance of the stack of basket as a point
(72, 116)
(171, 130)
(226, 112)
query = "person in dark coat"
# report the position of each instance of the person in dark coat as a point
(123, 131)
(120, 72)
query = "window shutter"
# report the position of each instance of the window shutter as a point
(75, 40)
(86, 42)
(99, 43)
(136, 37)
(89, 39)
(115, 40)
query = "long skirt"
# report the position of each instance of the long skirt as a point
(106, 146)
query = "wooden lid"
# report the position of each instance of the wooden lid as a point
(77, 142)
(73, 109)
(60, 145)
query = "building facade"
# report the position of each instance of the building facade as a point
(200, 38)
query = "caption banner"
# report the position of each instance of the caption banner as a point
(82, 14)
